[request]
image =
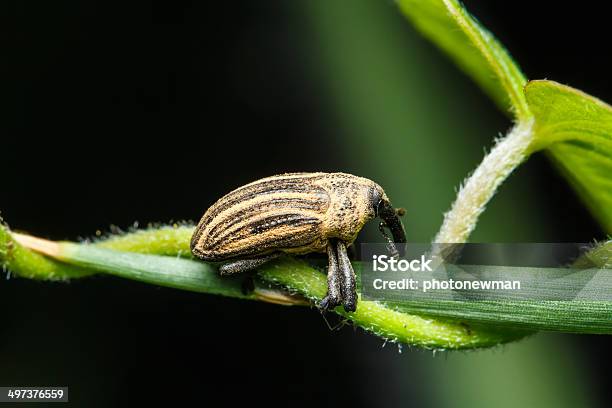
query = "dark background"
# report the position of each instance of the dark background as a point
(149, 111)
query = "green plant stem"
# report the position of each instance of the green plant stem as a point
(388, 322)
(394, 322)
(32, 265)
(481, 186)
(298, 276)
(574, 316)
(111, 256)
(169, 240)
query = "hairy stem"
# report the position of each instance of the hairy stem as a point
(15, 258)
(473, 325)
(137, 256)
(480, 187)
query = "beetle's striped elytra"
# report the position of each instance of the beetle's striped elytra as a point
(294, 213)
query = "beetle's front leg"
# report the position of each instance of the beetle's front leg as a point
(244, 265)
(348, 287)
(334, 293)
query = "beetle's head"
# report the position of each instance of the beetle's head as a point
(389, 215)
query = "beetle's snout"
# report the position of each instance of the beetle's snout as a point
(392, 221)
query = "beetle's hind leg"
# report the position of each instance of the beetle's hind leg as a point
(348, 286)
(334, 293)
(244, 265)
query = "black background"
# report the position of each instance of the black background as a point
(136, 111)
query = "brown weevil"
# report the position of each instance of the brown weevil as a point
(296, 213)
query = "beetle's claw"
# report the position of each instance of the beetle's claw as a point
(329, 302)
(350, 305)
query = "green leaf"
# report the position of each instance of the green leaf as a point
(448, 24)
(576, 129)
(565, 316)
(173, 272)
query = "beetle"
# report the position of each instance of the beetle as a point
(296, 213)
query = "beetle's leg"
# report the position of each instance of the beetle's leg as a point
(244, 265)
(334, 293)
(348, 287)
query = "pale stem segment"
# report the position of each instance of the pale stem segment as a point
(480, 187)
